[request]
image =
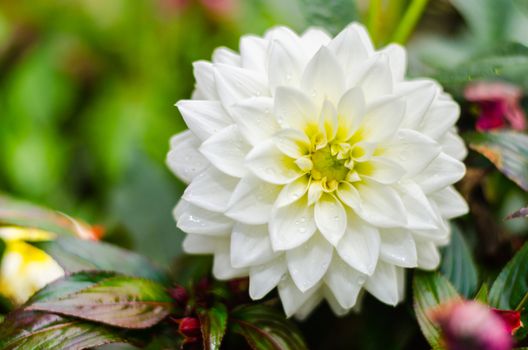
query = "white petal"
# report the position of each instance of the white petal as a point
(204, 118)
(222, 268)
(250, 245)
(377, 81)
(449, 202)
(255, 119)
(351, 47)
(292, 298)
(268, 163)
(383, 284)
(344, 282)
(400, 276)
(204, 222)
(428, 255)
(453, 145)
(211, 190)
(263, 278)
(291, 225)
(252, 200)
(349, 195)
(380, 205)
(328, 120)
(418, 95)
(184, 159)
(205, 81)
(398, 247)
(226, 150)
(439, 236)
(200, 244)
(293, 191)
(330, 218)
(308, 263)
(382, 120)
(360, 246)
(234, 84)
(227, 56)
(382, 170)
(309, 305)
(323, 77)
(180, 208)
(284, 65)
(292, 142)
(351, 110)
(397, 60)
(420, 214)
(412, 150)
(336, 308)
(294, 109)
(441, 117)
(440, 173)
(313, 39)
(253, 52)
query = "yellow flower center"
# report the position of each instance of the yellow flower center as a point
(326, 165)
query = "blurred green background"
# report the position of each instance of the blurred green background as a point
(87, 93)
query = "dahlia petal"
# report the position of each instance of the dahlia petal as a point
(400, 279)
(397, 60)
(226, 56)
(291, 225)
(398, 247)
(419, 212)
(309, 305)
(439, 236)
(412, 150)
(204, 222)
(292, 142)
(211, 190)
(384, 170)
(344, 282)
(226, 151)
(377, 80)
(284, 65)
(360, 246)
(292, 191)
(441, 172)
(205, 81)
(312, 40)
(380, 205)
(222, 268)
(308, 263)
(250, 246)
(180, 208)
(330, 218)
(383, 284)
(286, 36)
(200, 244)
(334, 304)
(204, 118)
(382, 120)
(328, 120)
(449, 202)
(323, 78)
(252, 200)
(268, 163)
(453, 145)
(419, 95)
(351, 47)
(235, 84)
(255, 119)
(292, 298)
(428, 255)
(441, 117)
(351, 109)
(294, 109)
(184, 159)
(349, 195)
(263, 278)
(253, 53)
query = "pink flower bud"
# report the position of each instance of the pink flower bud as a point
(189, 327)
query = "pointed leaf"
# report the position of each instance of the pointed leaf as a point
(120, 301)
(266, 329)
(482, 294)
(213, 322)
(430, 289)
(75, 255)
(458, 265)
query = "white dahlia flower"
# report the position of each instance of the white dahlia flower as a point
(315, 167)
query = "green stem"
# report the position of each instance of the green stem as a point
(374, 13)
(522, 303)
(410, 19)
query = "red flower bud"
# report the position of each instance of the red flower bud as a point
(190, 327)
(511, 318)
(180, 295)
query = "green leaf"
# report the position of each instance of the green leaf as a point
(265, 328)
(511, 285)
(507, 150)
(430, 289)
(75, 255)
(521, 213)
(458, 265)
(27, 330)
(115, 300)
(508, 62)
(213, 322)
(332, 15)
(482, 294)
(522, 5)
